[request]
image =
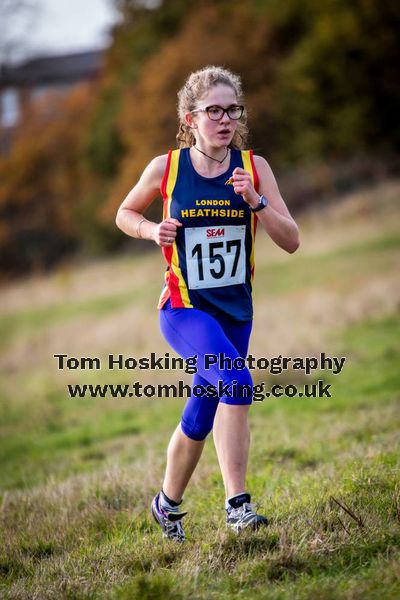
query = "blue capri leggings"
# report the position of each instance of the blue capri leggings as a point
(193, 332)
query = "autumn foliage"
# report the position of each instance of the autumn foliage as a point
(320, 82)
(43, 182)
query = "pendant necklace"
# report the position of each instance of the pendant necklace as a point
(212, 158)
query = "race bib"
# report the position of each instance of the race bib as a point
(215, 256)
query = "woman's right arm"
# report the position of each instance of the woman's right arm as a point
(130, 214)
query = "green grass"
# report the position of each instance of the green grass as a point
(77, 475)
(340, 268)
(28, 321)
(344, 449)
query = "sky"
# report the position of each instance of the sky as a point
(58, 26)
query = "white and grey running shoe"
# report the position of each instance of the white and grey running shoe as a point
(243, 516)
(169, 521)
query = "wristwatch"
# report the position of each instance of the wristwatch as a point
(262, 203)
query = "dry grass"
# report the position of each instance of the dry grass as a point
(325, 471)
(283, 321)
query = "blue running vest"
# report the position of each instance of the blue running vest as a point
(211, 262)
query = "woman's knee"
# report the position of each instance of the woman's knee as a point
(197, 432)
(198, 417)
(239, 387)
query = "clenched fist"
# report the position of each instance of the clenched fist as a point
(165, 232)
(242, 185)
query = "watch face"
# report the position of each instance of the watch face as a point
(262, 203)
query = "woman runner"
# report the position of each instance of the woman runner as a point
(214, 192)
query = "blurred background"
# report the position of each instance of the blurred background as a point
(88, 97)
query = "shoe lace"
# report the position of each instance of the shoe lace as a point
(174, 529)
(246, 507)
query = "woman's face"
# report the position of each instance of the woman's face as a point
(214, 133)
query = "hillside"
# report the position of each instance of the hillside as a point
(78, 473)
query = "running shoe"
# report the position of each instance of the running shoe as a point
(170, 522)
(244, 516)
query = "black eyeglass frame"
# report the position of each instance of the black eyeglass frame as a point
(224, 110)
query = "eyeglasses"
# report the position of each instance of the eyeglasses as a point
(215, 112)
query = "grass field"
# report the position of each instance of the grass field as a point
(77, 475)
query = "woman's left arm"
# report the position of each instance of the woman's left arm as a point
(275, 218)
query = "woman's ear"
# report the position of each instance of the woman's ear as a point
(189, 120)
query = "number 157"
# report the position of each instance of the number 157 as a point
(216, 257)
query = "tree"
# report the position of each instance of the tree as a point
(16, 18)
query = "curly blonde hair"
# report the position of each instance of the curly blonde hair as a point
(198, 84)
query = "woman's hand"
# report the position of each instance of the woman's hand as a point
(242, 185)
(165, 232)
